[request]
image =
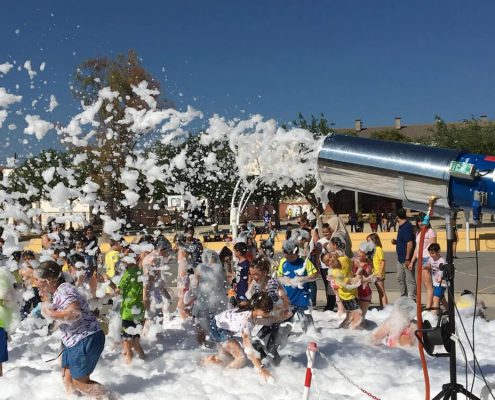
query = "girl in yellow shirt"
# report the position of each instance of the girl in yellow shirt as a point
(379, 268)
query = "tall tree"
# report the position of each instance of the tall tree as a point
(114, 140)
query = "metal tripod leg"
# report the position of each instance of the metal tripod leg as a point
(449, 391)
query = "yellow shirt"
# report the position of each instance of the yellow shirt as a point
(378, 257)
(342, 277)
(111, 258)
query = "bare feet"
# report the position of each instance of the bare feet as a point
(127, 357)
(213, 359)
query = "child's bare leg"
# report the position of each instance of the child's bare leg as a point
(92, 286)
(428, 284)
(146, 327)
(340, 308)
(200, 335)
(136, 345)
(356, 319)
(127, 346)
(444, 302)
(68, 382)
(364, 305)
(436, 304)
(218, 358)
(235, 350)
(89, 387)
(181, 308)
(382, 295)
(345, 323)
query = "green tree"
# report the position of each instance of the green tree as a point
(113, 140)
(36, 176)
(390, 134)
(470, 135)
(203, 181)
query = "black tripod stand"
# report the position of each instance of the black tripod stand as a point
(450, 390)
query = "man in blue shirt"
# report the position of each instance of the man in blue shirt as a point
(405, 248)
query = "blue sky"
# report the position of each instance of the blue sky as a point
(348, 59)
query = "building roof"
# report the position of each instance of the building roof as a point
(411, 131)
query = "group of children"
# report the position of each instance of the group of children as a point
(253, 297)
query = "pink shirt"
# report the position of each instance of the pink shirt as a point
(430, 237)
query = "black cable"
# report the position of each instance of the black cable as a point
(475, 359)
(465, 361)
(484, 172)
(475, 298)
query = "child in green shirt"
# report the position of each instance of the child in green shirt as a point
(132, 311)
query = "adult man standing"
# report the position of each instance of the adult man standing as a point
(405, 248)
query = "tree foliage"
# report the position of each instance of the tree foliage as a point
(390, 134)
(113, 140)
(37, 175)
(470, 135)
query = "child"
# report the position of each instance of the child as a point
(362, 268)
(111, 259)
(379, 268)
(131, 311)
(6, 313)
(341, 276)
(226, 324)
(336, 243)
(31, 296)
(294, 273)
(183, 280)
(398, 329)
(208, 286)
(439, 285)
(275, 330)
(241, 272)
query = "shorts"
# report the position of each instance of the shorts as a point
(219, 335)
(4, 355)
(129, 324)
(350, 305)
(81, 359)
(438, 291)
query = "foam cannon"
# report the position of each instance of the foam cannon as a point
(409, 172)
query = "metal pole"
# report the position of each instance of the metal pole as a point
(310, 353)
(356, 201)
(468, 233)
(234, 212)
(451, 302)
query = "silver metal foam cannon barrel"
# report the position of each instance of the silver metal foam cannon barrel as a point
(403, 171)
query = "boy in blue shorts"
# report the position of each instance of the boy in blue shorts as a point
(434, 264)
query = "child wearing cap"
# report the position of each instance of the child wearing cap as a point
(294, 273)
